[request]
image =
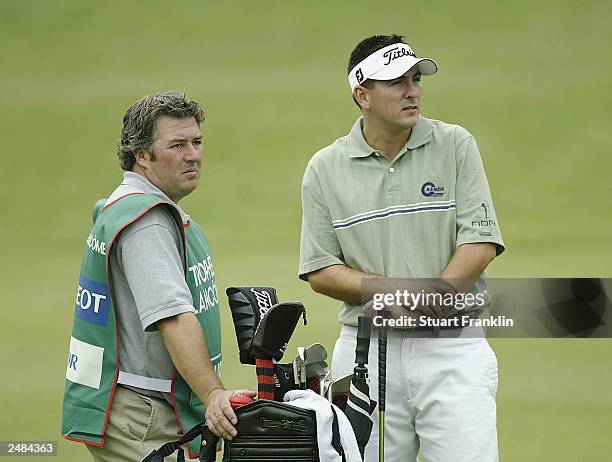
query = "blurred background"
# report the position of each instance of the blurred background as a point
(529, 79)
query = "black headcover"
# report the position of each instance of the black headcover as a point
(263, 326)
(283, 380)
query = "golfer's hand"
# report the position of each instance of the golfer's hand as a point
(390, 311)
(220, 416)
(443, 289)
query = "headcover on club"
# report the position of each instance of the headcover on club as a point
(263, 326)
(283, 380)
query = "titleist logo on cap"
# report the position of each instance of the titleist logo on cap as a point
(397, 52)
(389, 63)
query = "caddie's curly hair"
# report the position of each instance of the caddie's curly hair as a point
(138, 130)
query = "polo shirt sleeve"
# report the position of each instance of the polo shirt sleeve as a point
(149, 252)
(319, 246)
(476, 217)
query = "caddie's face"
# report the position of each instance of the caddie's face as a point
(396, 103)
(178, 157)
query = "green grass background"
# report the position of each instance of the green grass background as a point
(530, 79)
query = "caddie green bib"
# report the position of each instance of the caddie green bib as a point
(93, 363)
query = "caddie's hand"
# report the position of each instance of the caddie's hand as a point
(220, 416)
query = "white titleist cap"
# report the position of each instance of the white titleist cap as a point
(390, 63)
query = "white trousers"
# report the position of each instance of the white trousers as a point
(440, 395)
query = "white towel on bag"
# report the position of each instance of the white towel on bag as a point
(308, 399)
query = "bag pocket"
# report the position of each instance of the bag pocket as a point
(268, 449)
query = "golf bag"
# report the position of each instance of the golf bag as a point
(267, 431)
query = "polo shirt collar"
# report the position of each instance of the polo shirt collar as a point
(421, 134)
(359, 146)
(139, 182)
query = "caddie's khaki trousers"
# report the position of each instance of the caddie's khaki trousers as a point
(137, 425)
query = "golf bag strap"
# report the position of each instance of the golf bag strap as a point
(167, 449)
(337, 445)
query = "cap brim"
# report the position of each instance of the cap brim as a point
(401, 66)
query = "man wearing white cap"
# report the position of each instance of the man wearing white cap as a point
(404, 196)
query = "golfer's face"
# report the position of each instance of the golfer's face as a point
(178, 156)
(397, 102)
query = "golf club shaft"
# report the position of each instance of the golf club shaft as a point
(304, 379)
(382, 390)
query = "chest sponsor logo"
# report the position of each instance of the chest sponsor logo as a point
(92, 301)
(203, 277)
(96, 245)
(202, 271)
(429, 189)
(85, 363)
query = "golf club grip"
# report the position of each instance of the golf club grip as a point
(382, 368)
(363, 340)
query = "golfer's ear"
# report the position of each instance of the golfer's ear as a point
(362, 97)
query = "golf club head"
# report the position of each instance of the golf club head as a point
(337, 390)
(314, 372)
(302, 353)
(326, 377)
(316, 353)
(297, 363)
(314, 364)
(314, 369)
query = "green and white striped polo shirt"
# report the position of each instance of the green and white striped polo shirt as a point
(401, 218)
